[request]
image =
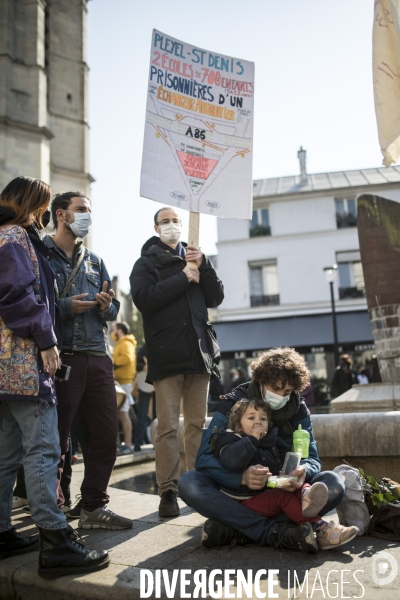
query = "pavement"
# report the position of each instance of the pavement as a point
(146, 453)
(168, 553)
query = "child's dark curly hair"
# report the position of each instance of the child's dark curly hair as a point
(284, 365)
(240, 408)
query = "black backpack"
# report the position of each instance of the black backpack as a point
(385, 522)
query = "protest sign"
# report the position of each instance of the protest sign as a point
(386, 68)
(197, 152)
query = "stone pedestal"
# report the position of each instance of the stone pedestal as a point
(373, 397)
(366, 440)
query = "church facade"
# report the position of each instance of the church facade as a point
(44, 126)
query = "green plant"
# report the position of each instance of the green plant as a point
(259, 230)
(378, 492)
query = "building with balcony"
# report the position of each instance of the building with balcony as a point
(276, 293)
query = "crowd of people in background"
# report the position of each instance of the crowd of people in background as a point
(346, 376)
(137, 409)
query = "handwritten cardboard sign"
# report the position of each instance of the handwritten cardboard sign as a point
(198, 139)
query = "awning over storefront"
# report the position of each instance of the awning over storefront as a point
(300, 332)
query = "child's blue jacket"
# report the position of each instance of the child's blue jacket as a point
(208, 464)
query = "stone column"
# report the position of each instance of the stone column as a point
(378, 223)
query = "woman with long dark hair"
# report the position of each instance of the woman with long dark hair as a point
(28, 362)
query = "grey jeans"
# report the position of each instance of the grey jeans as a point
(29, 435)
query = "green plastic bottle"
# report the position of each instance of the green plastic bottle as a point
(301, 441)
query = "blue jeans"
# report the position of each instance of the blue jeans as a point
(29, 435)
(139, 432)
(203, 494)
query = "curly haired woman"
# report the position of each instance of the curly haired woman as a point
(278, 376)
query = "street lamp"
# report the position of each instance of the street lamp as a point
(330, 274)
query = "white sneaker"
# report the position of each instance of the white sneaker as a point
(19, 502)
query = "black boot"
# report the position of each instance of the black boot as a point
(288, 536)
(60, 554)
(13, 543)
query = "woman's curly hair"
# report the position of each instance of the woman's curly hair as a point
(240, 408)
(284, 365)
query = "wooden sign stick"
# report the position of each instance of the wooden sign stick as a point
(194, 232)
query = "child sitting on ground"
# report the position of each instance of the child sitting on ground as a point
(250, 440)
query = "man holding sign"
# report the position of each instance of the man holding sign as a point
(181, 344)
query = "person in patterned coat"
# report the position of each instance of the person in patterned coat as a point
(28, 362)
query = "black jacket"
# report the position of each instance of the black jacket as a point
(141, 358)
(238, 452)
(341, 382)
(179, 338)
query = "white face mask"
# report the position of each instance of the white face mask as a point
(81, 225)
(275, 401)
(170, 233)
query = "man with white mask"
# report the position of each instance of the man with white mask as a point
(86, 303)
(182, 349)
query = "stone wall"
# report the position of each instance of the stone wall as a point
(44, 130)
(24, 134)
(368, 440)
(371, 398)
(379, 234)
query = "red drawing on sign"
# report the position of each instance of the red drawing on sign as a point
(196, 166)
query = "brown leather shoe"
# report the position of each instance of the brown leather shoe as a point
(168, 505)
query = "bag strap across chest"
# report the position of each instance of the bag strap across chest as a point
(74, 273)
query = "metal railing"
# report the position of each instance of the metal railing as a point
(264, 300)
(259, 230)
(346, 221)
(347, 293)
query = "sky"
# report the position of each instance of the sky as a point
(313, 88)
